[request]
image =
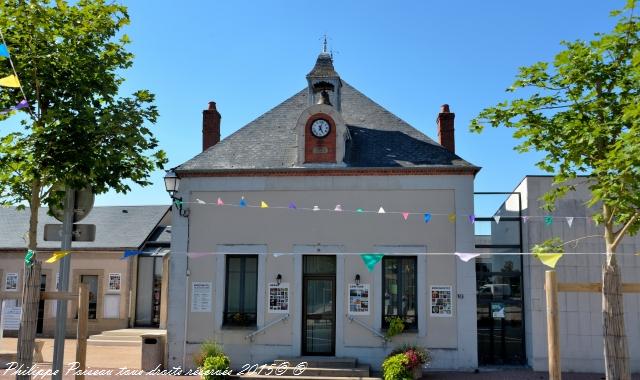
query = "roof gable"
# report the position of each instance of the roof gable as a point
(378, 139)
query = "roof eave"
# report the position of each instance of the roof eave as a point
(324, 171)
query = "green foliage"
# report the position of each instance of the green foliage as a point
(79, 131)
(207, 349)
(554, 245)
(396, 326)
(583, 111)
(395, 367)
(214, 366)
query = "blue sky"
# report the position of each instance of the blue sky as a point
(409, 56)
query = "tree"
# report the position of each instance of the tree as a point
(78, 130)
(583, 111)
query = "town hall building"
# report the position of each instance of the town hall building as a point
(273, 225)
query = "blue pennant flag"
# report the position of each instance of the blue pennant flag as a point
(427, 217)
(129, 253)
(4, 52)
(243, 203)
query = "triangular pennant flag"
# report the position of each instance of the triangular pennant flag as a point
(338, 208)
(569, 220)
(496, 218)
(427, 217)
(359, 210)
(57, 255)
(466, 256)
(263, 204)
(371, 259)
(23, 103)
(548, 220)
(4, 52)
(130, 252)
(220, 202)
(452, 217)
(472, 219)
(10, 81)
(177, 202)
(549, 259)
(293, 206)
(197, 255)
(243, 203)
(278, 254)
(405, 215)
(381, 211)
(28, 258)
(525, 219)
(200, 201)
(316, 208)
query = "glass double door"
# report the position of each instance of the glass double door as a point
(319, 314)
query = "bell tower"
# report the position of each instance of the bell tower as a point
(324, 81)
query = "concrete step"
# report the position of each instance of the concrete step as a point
(360, 371)
(302, 376)
(133, 332)
(319, 362)
(98, 342)
(129, 338)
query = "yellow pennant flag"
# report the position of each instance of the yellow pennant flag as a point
(263, 204)
(10, 81)
(452, 217)
(57, 255)
(549, 259)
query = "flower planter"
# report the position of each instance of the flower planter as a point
(416, 373)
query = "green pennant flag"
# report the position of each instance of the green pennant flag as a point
(28, 258)
(371, 259)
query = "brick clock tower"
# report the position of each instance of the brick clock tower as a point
(321, 130)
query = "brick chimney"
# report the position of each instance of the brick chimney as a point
(445, 128)
(210, 126)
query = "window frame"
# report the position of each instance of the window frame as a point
(385, 324)
(226, 320)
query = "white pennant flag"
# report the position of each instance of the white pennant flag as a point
(381, 211)
(569, 220)
(496, 218)
(466, 256)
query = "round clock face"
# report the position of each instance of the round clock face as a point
(320, 128)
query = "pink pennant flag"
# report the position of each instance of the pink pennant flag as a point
(405, 215)
(466, 256)
(220, 202)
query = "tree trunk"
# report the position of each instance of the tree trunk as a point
(616, 350)
(30, 289)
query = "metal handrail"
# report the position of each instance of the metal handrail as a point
(371, 329)
(261, 329)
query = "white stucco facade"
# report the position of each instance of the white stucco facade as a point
(228, 229)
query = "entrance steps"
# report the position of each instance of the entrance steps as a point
(318, 368)
(121, 337)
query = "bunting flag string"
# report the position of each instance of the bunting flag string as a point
(452, 217)
(57, 255)
(12, 80)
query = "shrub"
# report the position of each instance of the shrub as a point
(214, 366)
(207, 349)
(395, 367)
(417, 355)
(396, 326)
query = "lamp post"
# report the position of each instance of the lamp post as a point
(172, 184)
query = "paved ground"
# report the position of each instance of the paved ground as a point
(113, 358)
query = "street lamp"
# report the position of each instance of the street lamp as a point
(171, 184)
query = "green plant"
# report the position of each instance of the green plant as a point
(215, 367)
(395, 367)
(207, 349)
(396, 326)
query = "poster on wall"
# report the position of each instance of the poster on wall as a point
(441, 301)
(497, 310)
(359, 299)
(11, 317)
(279, 298)
(200, 297)
(114, 281)
(11, 282)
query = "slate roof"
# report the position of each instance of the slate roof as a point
(379, 139)
(115, 228)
